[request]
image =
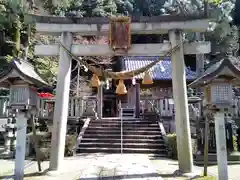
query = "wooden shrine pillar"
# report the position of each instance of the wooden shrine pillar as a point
(184, 145)
(100, 102)
(61, 106)
(137, 107)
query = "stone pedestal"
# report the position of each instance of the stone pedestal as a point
(221, 146)
(21, 145)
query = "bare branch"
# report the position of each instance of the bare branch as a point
(100, 60)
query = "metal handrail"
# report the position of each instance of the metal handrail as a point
(158, 111)
(121, 117)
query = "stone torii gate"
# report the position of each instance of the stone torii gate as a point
(172, 25)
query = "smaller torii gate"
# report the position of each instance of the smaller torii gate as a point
(174, 26)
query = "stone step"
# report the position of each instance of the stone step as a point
(139, 136)
(125, 150)
(213, 157)
(125, 145)
(125, 128)
(117, 140)
(124, 125)
(213, 163)
(130, 136)
(125, 121)
(151, 116)
(135, 132)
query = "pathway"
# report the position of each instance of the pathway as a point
(233, 171)
(113, 166)
(100, 166)
(166, 168)
(7, 166)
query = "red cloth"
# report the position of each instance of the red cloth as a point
(45, 95)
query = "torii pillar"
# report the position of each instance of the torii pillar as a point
(61, 106)
(184, 146)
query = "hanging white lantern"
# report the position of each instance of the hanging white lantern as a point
(107, 84)
(133, 81)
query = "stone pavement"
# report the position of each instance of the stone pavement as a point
(233, 171)
(7, 167)
(166, 168)
(112, 166)
(99, 166)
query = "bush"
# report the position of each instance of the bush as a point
(44, 143)
(235, 144)
(69, 145)
(172, 146)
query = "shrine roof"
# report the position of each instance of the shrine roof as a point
(161, 71)
(227, 66)
(25, 70)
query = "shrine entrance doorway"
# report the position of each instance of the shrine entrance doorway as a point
(109, 106)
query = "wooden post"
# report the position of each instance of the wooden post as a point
(221, 146)
(137, 107)
(206, 146)
(61, 105)
(100, 101)
(184, 145)
(35, 144)
(199, 59)
(21, 145)
(207, 101)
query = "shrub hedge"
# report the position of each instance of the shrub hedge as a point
(235, 144)
(172, 146)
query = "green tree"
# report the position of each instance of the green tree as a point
(223, 36)
(125, 7)
(14, 38)
(83, 8)
(148, 7)
(90, 8)
(10, 27)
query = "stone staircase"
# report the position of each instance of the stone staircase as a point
(139, 136)
(128, 112)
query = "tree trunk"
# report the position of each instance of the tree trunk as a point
(16, 38)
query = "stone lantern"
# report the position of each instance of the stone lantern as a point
(218, 81)
(22, 81)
